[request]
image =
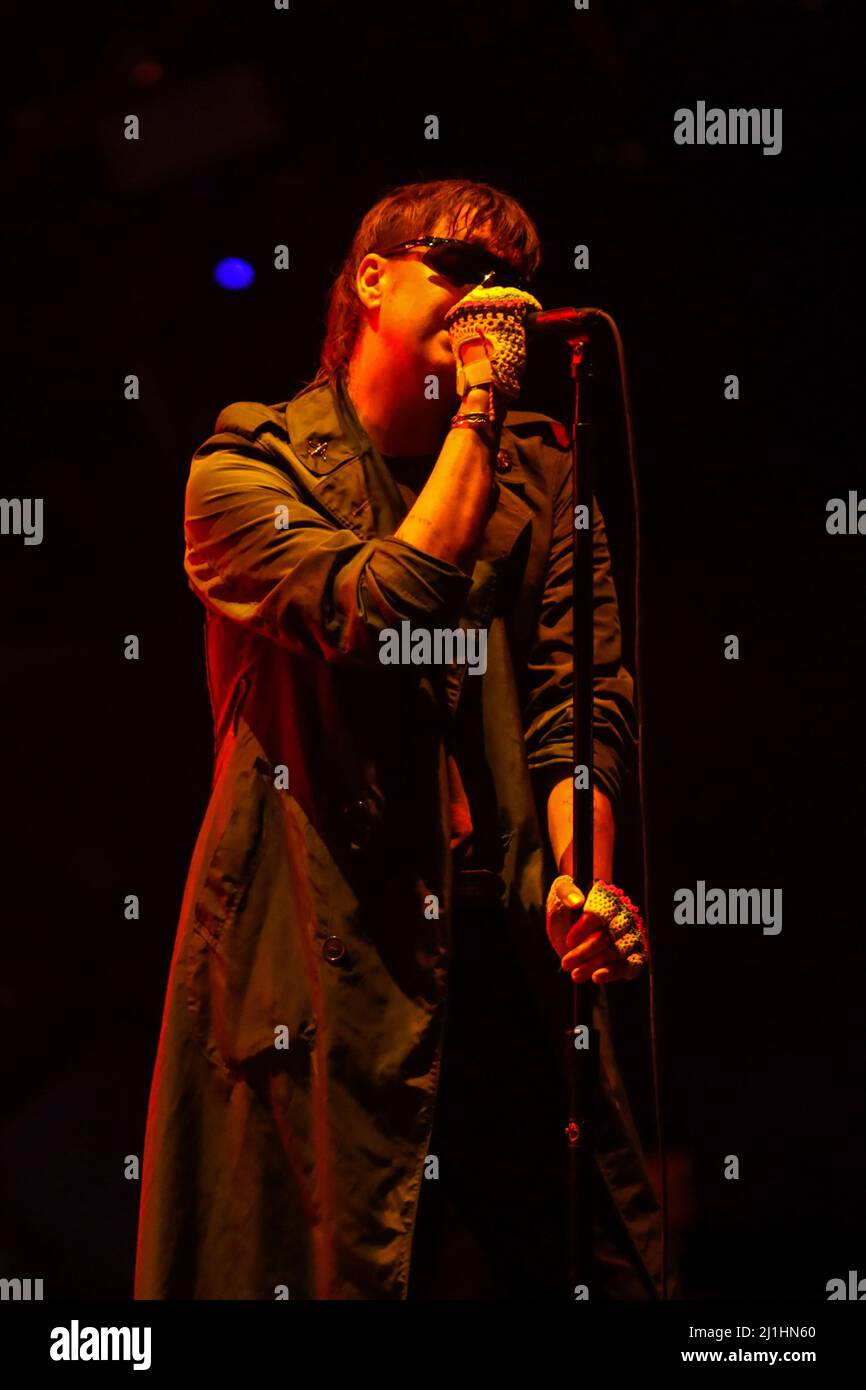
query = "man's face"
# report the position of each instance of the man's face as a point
(414, 299)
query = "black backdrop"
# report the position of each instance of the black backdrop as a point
(265, 127)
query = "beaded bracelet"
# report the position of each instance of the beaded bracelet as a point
(475, 420)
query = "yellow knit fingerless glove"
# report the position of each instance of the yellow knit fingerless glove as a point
(624, 923)
(493, 316)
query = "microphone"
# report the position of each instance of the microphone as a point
(546, 322)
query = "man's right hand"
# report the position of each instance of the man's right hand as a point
(490, 321)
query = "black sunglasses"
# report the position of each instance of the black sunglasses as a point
(462, 262)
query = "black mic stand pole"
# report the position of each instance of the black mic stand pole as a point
(581, 1040)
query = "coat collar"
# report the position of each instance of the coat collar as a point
(329, 442)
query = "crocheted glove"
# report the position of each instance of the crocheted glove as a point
(494, 316)
(624, 923)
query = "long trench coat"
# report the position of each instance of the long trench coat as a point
(296, 1074)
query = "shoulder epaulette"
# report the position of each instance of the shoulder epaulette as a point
(252, 419)
(528, 422)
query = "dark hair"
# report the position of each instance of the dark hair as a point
(409, 211)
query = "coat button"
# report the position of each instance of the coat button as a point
(359, 824)
(503, 462)
(333, 949)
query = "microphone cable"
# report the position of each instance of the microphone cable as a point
(639, 705)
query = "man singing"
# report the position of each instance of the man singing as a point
(358, 1091)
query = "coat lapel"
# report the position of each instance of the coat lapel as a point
(338, 460)
(353, 484)
(332, 449)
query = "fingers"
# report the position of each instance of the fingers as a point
(576, 942)
(588, 924)
(594, 947)
(563, 900)
(584, 945)
(564, 892)
(620, 971)
(582, 939)
(592, 957)
(603, 975)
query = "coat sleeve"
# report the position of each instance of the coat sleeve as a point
(548, 709)
(260, 553)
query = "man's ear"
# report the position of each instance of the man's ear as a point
(368, 280)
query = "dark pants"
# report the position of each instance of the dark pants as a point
(493, 1223)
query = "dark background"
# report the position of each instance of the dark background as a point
(262, 127)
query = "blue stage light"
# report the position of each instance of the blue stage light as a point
(233, 273)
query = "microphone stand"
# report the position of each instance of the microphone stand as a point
(581, 1051)
(581, 1062)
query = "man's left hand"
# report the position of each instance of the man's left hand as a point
(581, 939)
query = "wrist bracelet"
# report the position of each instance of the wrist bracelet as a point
(467, 416)
(476, 420)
